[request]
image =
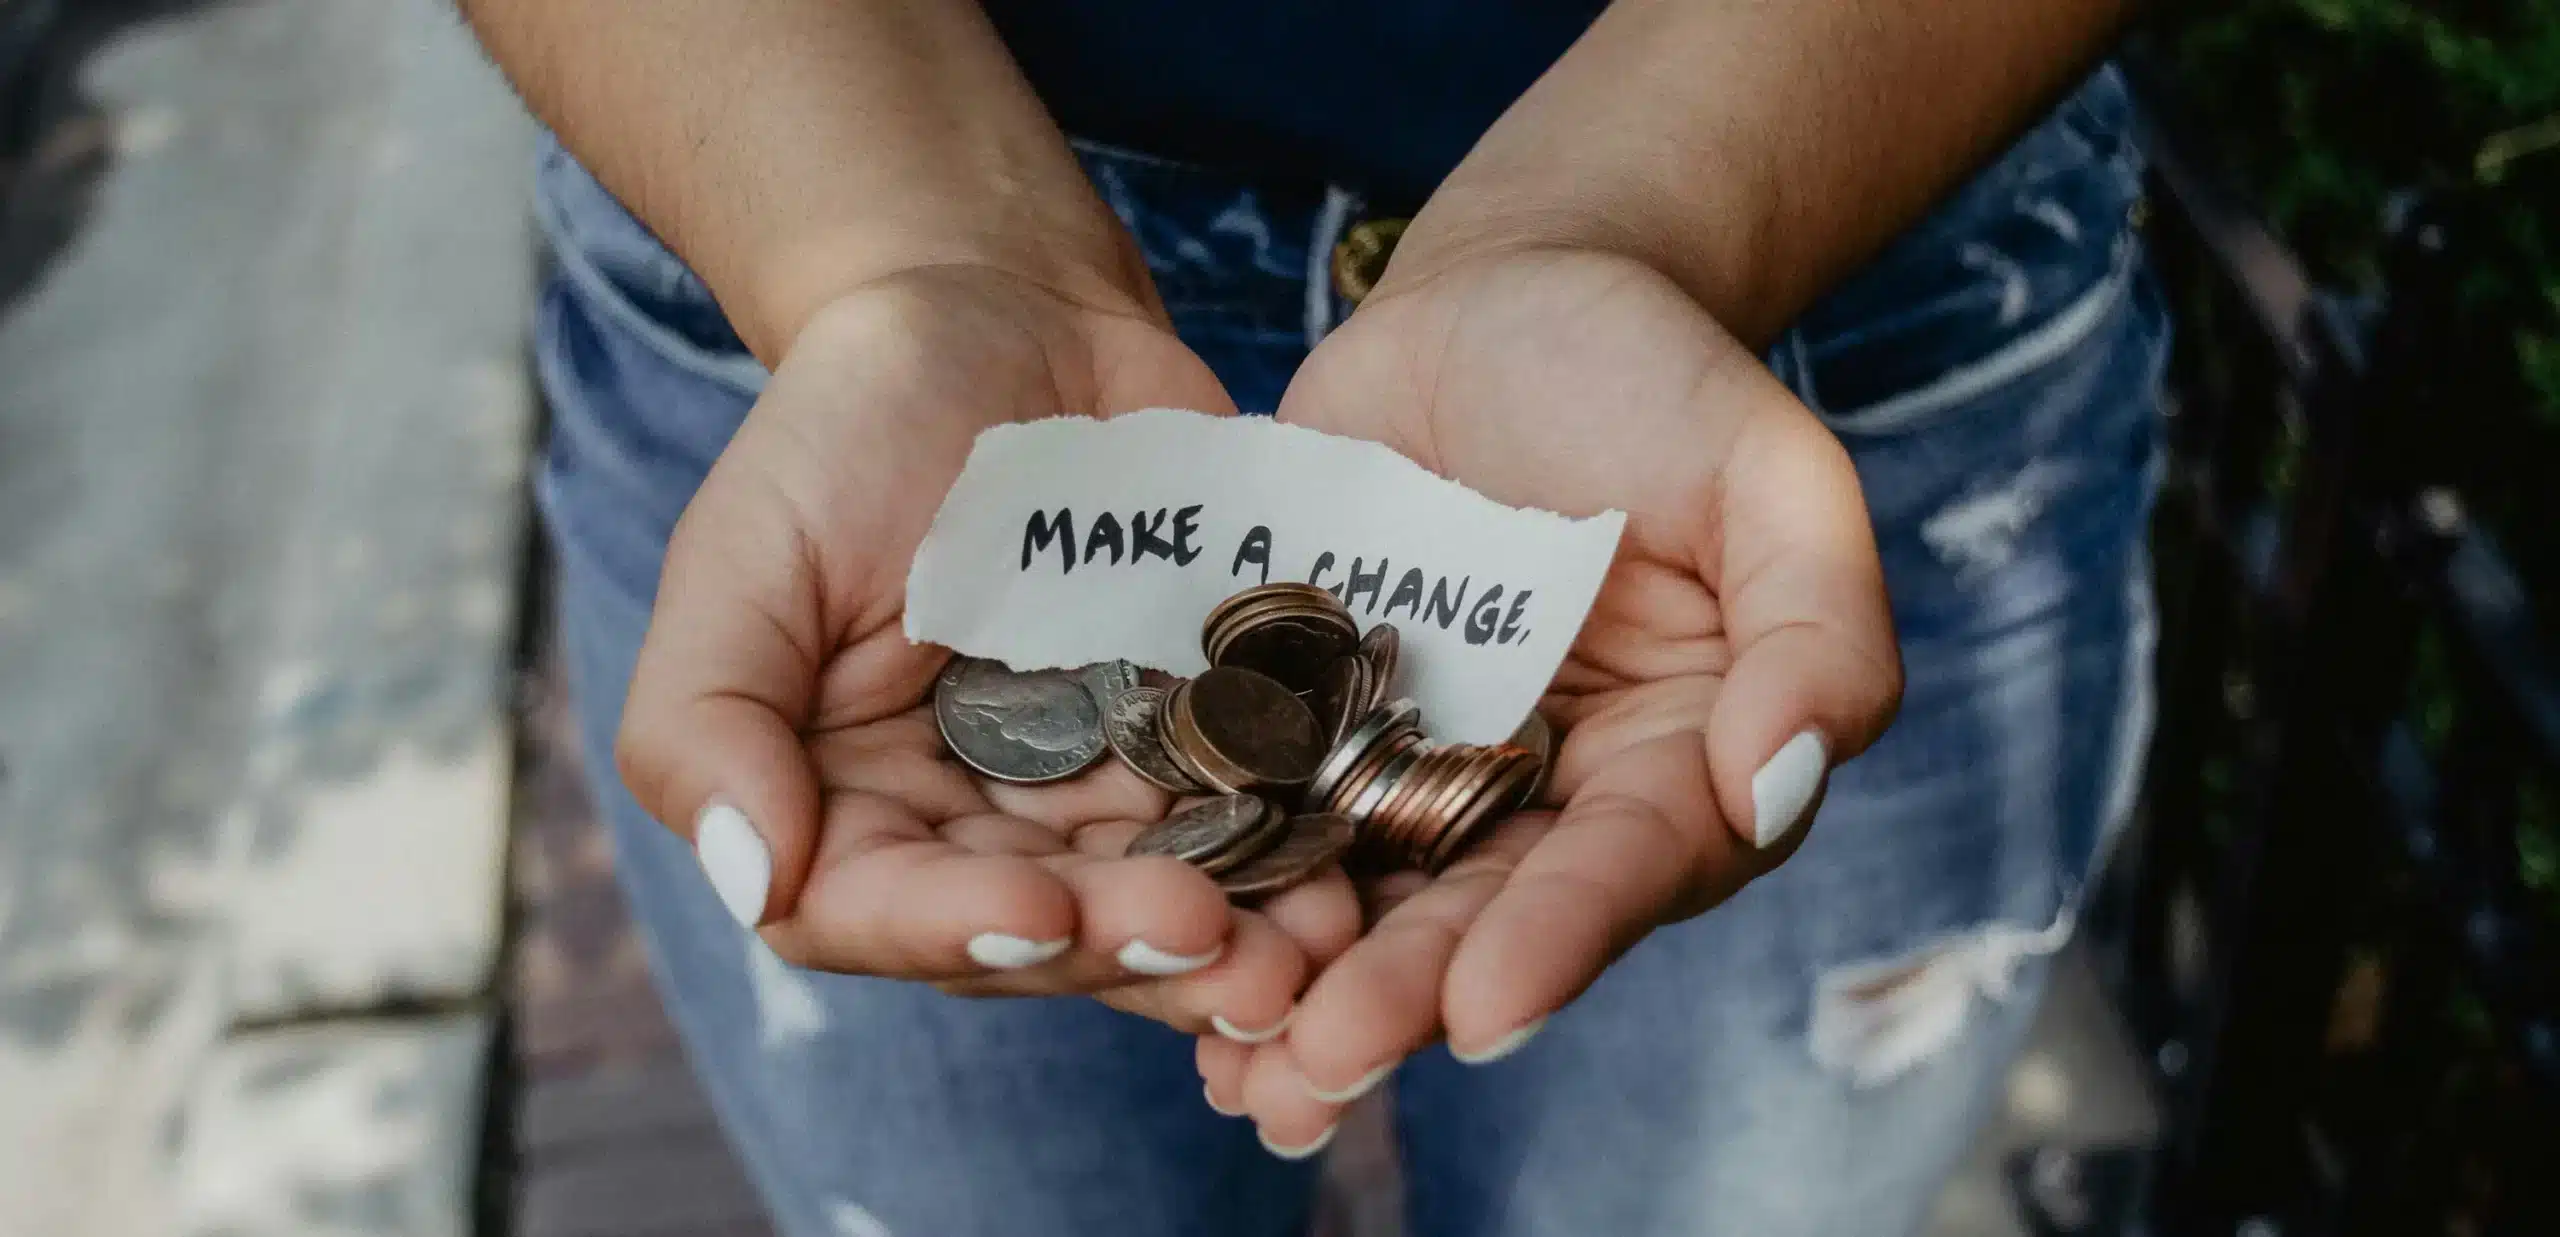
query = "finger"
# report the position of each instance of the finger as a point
(891, 898)
(1383, 893)
(1222, 1063)
(1109, 791)
(1380, 1001)
(902, 758)
(1245, 996)
(1153, 916)
(710, 741)
(1322, 916)
(990, 833)
(1248, 993)
(1639, 844)
(1292, 1122)
(1816, 674)
(1148, 918)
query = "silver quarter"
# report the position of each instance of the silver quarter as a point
(1107, 680)
(1261, 838)
(1030, 726)
(1345, 755)
(1374, 795)
(1204, 832)
(1130, 722)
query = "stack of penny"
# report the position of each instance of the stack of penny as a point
(1418, 804)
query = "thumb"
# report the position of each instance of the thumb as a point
(710, 741)
(1816, 673)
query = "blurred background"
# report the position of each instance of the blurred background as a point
(304, 928)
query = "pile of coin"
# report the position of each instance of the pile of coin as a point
(1414, 803)
(1292, 727)
(1251, 846)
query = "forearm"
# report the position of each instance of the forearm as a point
(792, 149)
(1756, 151)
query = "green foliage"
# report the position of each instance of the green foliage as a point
(2325, 109)
(2330, 106)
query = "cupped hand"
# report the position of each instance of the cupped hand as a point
(780, 719)
(1739, 647)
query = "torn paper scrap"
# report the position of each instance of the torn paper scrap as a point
(1074, 540)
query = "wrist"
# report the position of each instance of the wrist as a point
(1087, 263)
(1709, 244)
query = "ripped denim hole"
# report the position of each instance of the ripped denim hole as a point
(789, 1011)
(1874, 1022)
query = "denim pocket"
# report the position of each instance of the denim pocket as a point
(623, 272)
(2007, 269)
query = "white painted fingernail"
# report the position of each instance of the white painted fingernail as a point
(1297, 1153)
(1216, 1107)
(1242, 1036)
(1785, 787)
(1368, 1082)
(1499, 1048)
(998, 951)
(734, 857)
(1146, 959)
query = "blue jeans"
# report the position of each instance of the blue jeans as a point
(1811, 1058)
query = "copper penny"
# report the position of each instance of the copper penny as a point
(1342, 698)
(1537, 737)
(1261, 594)
(1395, 814)
(1249, 723)
(1179, 728)
(1435, 814)
(1365, 734)
(1503, 795)
(1381, 648)
(1291, 648)
(1364, 803)
(1312, 842)
(1372, 764)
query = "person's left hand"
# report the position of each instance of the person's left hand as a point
(1739, 647)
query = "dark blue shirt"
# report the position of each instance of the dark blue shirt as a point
(1385, 96)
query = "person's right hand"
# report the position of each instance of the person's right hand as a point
(781, 721)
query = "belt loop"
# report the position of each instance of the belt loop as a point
(1332, 219)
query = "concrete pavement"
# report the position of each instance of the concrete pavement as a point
(263, 423)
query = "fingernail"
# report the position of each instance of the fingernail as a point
(1216, 1107)
(733, 855)
(1368, 1082)
(1499, 1048)
(1785, 787)
(1242, 1036)
(1297, 1153)
(1146, 959)
(999, 951)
